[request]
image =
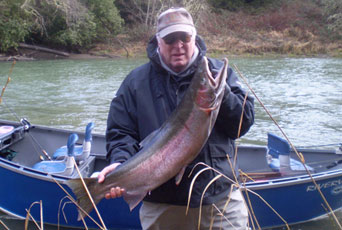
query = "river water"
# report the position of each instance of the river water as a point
(304, 96)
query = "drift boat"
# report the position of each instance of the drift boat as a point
(34, 158)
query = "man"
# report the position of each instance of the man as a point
(143, 102)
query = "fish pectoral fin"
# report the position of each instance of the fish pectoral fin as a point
(134, 198)
(180, 176)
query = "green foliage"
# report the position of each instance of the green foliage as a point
(13, 25)
(106, 17)
(61, 23)
(12, 32)
(78, 35)
(333, 15)
(73, 24)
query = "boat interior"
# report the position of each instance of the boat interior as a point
(46, 150)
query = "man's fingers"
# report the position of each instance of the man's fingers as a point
(106, 170)
(115, 193)
(108, 196)
(100, 178)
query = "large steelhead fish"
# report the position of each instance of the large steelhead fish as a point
(167, 151)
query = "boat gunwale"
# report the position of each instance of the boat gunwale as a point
(28, 171)
(293, 180)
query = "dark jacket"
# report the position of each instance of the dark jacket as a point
(143, 102)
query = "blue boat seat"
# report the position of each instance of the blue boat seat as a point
(81, 152)
(278, 156)
(61, 152)
(63, 167)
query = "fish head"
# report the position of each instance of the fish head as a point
(210, 89)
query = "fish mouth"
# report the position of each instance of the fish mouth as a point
(209, 75)
(221, 77)
(212, 86)
(216, 81)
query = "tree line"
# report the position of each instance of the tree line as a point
(76, 24)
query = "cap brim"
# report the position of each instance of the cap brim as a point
(176, 28)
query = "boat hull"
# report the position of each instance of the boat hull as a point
(295, 199)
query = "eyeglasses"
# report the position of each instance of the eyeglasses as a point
(172, 38)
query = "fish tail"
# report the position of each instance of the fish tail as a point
(81, 194)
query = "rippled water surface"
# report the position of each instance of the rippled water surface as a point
(304, 95)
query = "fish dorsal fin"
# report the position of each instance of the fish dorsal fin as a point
(148, 139)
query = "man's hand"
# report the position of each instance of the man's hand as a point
(114, 192)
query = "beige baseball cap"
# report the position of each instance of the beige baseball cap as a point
(175, 20)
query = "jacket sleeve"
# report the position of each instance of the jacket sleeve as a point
(229, 116)
(122, 140)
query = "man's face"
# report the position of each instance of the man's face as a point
(176, 50)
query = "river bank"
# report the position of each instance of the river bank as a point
(264, 44)
(271, 44)
(104, 51)
(221, 40)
